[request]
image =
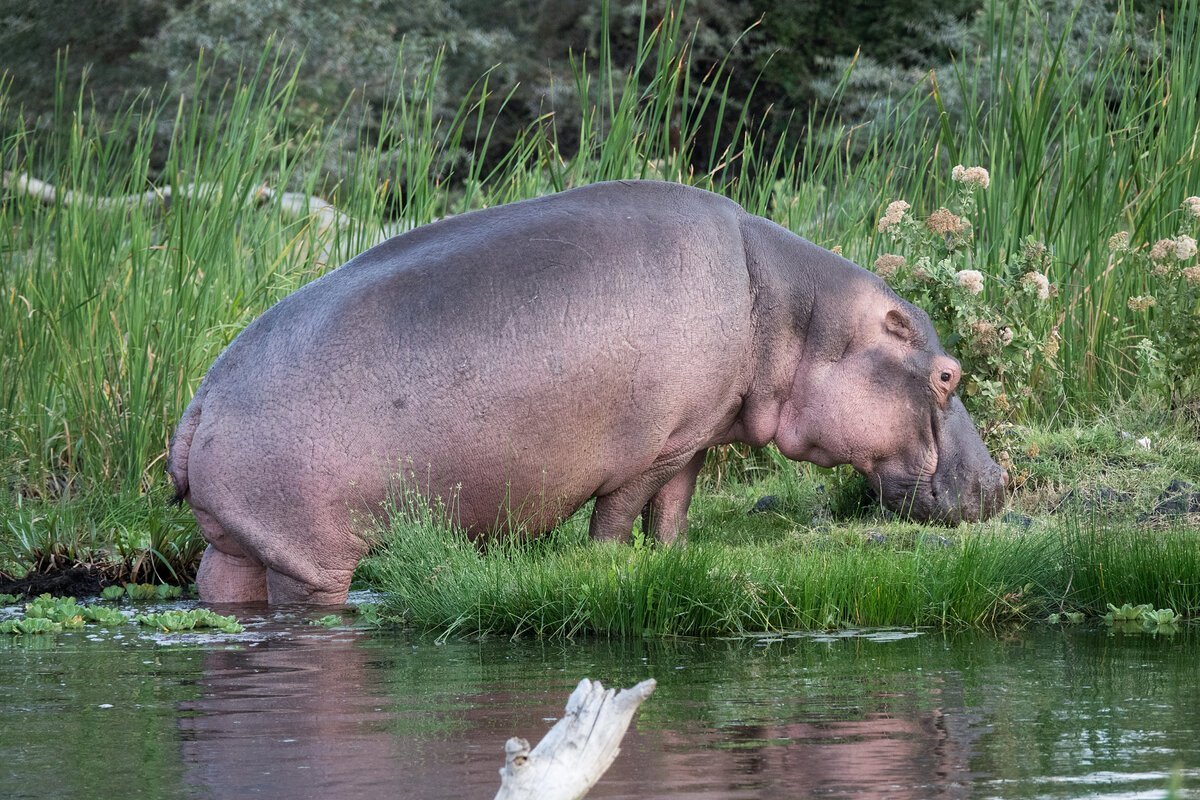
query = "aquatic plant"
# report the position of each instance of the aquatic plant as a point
(1127, 613)
(150, 591)
(47, 614)
(176, 621)
(30, 626)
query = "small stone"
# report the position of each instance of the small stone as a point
(1143, 443)
(1018, 520)
(874, 536)
(768, 502)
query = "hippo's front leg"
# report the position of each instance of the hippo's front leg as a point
(665, 516)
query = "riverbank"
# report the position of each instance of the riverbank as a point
(1097, 517)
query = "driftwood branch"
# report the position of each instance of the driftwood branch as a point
(579, 748)
(294, 204)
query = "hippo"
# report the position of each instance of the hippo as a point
(518, 361)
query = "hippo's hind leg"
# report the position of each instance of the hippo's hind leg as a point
(666, 515)
(227, 573)
(615, 512)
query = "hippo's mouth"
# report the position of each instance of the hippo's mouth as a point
(948, 497)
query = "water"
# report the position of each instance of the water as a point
(291, 710)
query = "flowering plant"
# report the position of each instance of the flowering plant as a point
(1001, 325)
(1171, 275)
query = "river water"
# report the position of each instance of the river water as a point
(293, 710)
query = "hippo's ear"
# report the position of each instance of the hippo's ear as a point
(900, 325)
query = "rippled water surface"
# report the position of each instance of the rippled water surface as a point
(292, 710)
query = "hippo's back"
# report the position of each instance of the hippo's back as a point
(542, 349)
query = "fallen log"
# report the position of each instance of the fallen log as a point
(293, 204)
(573, 754)
(324, 216)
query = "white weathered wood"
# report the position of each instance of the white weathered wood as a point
(294, 205)
(573, 755)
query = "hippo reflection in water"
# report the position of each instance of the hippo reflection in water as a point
(589, 344)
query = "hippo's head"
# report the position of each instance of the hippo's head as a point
(886, 405)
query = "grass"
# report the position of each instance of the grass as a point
(435, 579)
(109, 315)
(812, 561)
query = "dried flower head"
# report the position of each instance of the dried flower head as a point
(970, 279)
(1185, 248)
(1192, 275)
(895, 212)
(921, 268)
(1039, 282)
(1006, 336)
(887, 264)
(1162, 250)
(1050, 348)
(975, 176)
(836, 249)
(1119, 241)
(1141, 302)
(1035, 252)
(1192, 204)
(946, 223)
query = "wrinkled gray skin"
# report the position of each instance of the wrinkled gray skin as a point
(527, 358)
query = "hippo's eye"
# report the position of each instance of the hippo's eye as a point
(945, 376)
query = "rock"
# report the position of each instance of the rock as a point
(1176, 500)
(874, 536)
(1018, 520)
(767, 502)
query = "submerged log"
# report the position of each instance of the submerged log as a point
(573, 755)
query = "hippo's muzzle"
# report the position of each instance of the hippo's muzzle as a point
(967, 486)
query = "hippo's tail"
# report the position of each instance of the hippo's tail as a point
(181, 445)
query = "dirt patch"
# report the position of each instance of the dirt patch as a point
(77, 581)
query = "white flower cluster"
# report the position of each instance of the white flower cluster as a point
(1185, 248)
(1181, 247)
(976, 176)
(1192, 204)
(970, 279)
(1040, 282)
(895, 212)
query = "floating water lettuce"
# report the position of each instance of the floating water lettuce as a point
(1126, 613)
(369, 614)
(176, 621)
(9, 599)
(103, 615)
(142, 591)
(64, 611)
(328, 621)
(1163, 616)
(30, 625)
